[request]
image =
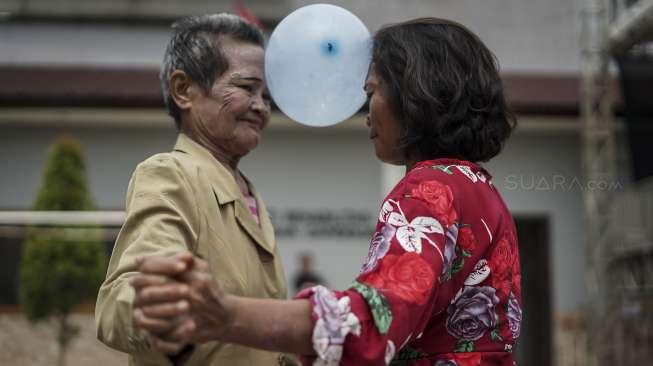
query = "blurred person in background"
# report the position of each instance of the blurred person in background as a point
(441, 282)
(194, 198)
(306, 276)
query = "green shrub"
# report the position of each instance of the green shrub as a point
(61, 267)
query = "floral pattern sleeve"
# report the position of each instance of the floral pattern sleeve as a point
(393, 297)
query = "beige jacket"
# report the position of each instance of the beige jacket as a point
(187, 201)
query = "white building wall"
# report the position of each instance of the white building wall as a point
(111, 156)
(316, 169)
(61, 44)
(526, 36)
(540, 175)
(311, 170)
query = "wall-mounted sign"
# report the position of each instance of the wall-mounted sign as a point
(322, 223)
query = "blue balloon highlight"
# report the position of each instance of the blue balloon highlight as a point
(330, 48)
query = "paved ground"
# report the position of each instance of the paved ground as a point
(24, 344)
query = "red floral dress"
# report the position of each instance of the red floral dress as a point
(440, 285)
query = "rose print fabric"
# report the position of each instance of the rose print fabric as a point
(440, 284)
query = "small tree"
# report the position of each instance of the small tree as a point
(61, 267)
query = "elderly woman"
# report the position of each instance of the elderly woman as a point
(194, 198)
(441, 283)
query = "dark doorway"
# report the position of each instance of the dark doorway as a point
(10, 253)
(12, 239)
(534, 345)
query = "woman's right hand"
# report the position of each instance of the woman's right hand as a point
(192, 308)
(161, 301)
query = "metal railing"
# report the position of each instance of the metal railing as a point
(61, 218)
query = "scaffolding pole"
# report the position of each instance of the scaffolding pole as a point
(634, 26)
(598, 164)
(610, 279)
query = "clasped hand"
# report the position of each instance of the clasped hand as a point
(178, 302)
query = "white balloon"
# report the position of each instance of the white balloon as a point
(316, 63)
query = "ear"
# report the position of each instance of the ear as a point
(182, 89)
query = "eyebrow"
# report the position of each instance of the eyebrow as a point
(248, 78)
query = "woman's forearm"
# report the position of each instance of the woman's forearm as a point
(274, 325)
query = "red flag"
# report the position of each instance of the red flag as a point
(243, 11)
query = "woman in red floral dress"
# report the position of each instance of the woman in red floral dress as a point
(441, 282)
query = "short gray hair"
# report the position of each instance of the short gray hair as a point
(195, 48)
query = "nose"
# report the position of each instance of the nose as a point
(367, 121)
(260, 106)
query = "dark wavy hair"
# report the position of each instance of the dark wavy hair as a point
(442, 84)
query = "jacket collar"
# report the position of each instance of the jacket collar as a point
(226, 190)
(221, 179)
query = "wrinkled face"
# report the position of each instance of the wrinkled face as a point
(231, 116)
(385, 130)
